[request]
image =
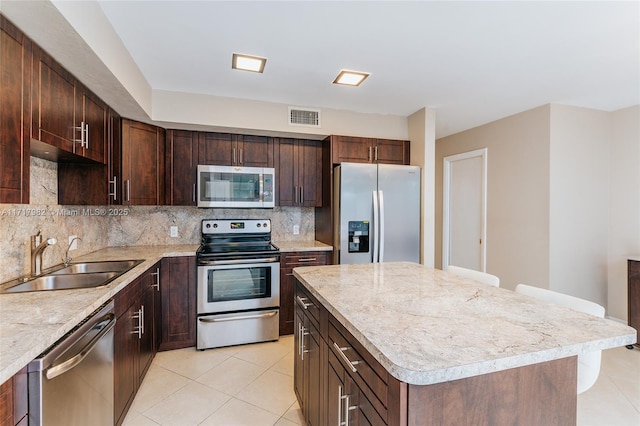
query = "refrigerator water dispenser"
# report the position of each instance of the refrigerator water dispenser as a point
(359, 236)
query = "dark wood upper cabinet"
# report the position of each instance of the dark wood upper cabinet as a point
(142, 163)
(53, 103)
(299, 172)
(15, 71)
(254, 151)
(91, 115)
(181, 163)
(225, 149)
(354, 149)
(65, 114)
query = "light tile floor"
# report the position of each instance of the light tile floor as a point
(252, 385)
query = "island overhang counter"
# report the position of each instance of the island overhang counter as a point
(430, 347)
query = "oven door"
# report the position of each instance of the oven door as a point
(238, 285)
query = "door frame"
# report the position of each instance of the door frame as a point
(483, 154)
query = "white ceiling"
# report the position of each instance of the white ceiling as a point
(473, 62)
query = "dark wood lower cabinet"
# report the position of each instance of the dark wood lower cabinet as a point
(307, 364)
(14, 400)
(178, 292)
(135, 337)
(634, 296)
(337, 381)
(288, 261)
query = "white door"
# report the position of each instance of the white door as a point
(464, 219)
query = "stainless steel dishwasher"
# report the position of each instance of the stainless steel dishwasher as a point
(72, 382)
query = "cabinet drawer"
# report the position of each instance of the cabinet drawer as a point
(370, 376)
(311, 258)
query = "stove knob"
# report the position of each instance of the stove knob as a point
(215, 225)
(265, 225)
(208, 225)
(258, 225)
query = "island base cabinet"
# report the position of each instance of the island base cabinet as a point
(345, 385)
(538, 394)
(307, 383)
(346, 403)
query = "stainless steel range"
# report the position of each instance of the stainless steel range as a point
(238, 293)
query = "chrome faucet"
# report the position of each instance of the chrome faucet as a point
(67, 260)
(37, 247)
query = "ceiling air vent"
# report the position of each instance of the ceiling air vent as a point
(304, 117)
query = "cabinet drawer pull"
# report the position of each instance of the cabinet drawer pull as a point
(350, 363)
(308, 259)
(301, 302)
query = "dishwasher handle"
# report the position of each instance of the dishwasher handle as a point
(76, 359)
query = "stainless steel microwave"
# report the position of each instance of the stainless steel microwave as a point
(236, 187)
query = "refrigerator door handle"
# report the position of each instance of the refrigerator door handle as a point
(381, 225)
(374, 228)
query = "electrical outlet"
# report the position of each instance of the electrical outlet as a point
(73, 242)
(296, 229)
(173, 231)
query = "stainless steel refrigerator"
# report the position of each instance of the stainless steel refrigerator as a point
(376, 213)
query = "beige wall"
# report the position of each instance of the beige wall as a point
(245, 116)
(578, 208)
(563, 199)
(422, 134)
(517, 194)
(624, 205)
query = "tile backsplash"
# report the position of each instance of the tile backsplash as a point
(104, 226)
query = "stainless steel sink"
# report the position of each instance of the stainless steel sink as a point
(64, 282)
(90, 267)
(74, 276)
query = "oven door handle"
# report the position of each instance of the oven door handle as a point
(205, 262)
(241, 317)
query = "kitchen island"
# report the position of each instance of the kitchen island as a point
(399, 343)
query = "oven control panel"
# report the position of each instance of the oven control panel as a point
(236, 226)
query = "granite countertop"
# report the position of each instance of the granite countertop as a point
(426, 326)
(31, 322)
(291, 246)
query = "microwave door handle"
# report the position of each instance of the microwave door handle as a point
(261, 187)
(374, 226)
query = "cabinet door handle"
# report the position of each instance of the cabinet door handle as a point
(302, 334)
(376, 154)
(370, 159)
(302, 195)
(301, 302)
(350, 364)
(241, 162)
(128, 190)
(138, 328)
(295, 201)
(157, 275)
(141, 320)
(81, 140)
(194, 192)
(234, 157)
(114, 194)
(86, 135)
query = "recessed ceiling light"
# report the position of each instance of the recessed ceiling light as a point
(248, 63)
(350, 78)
